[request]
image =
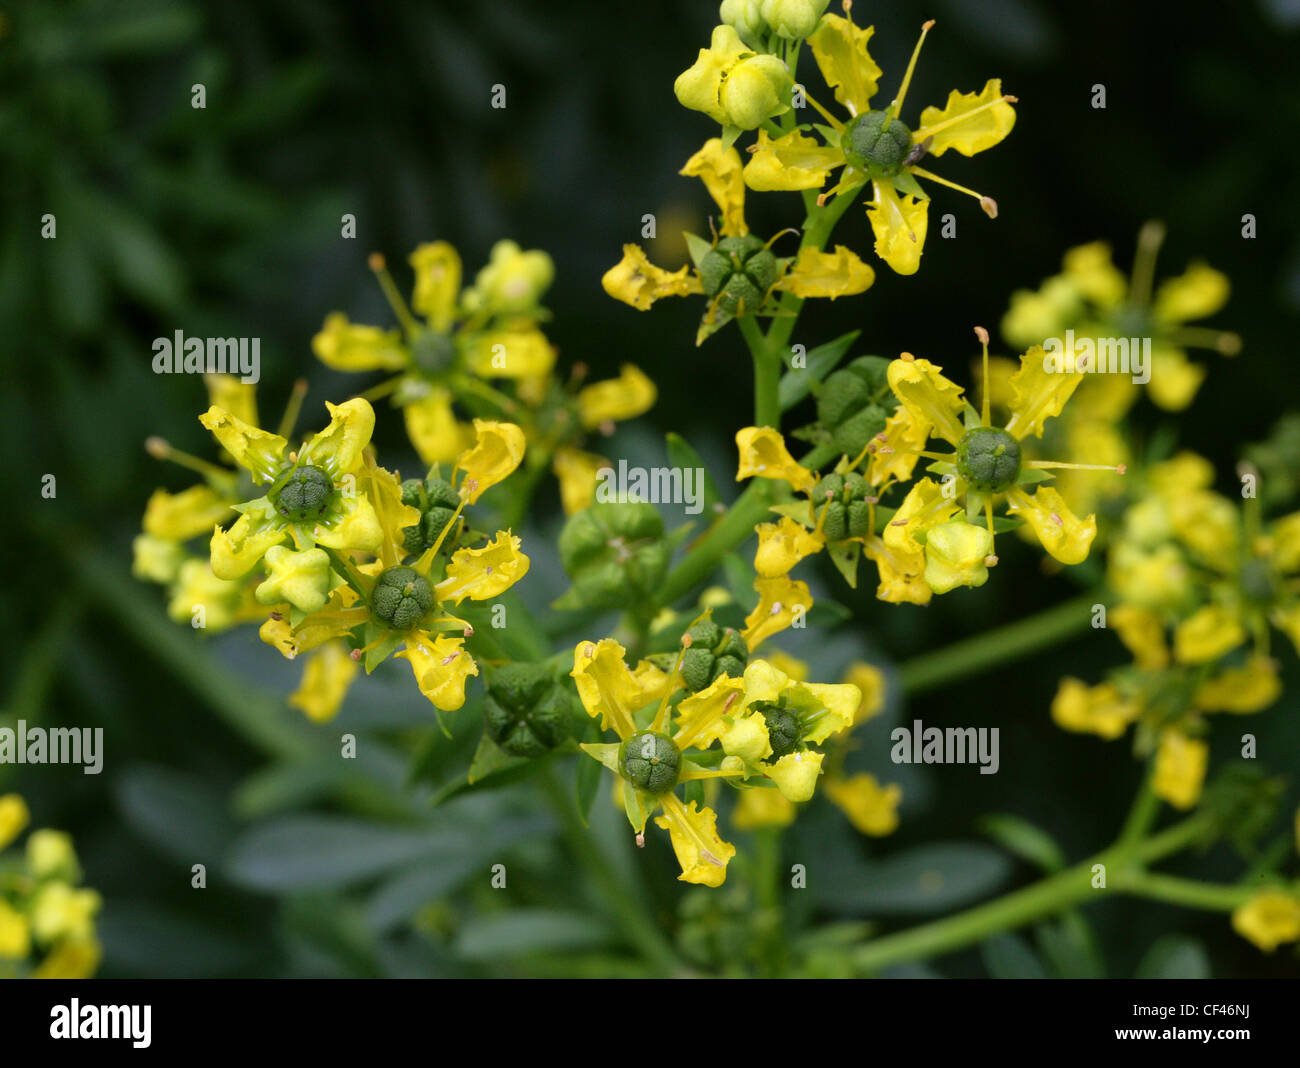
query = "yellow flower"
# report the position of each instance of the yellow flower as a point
(577, 472)
(484, 572)
(156, 559)
(1180, 768)
(60, 911)
(442, 668)
(1099, 710)
(184, 515)
(617, 399)
(196, 586)
(50, 854)
(781, 601)
(795, 774)
(636, 281)
(1143, 636)
(13, 818)
(1063, 534)
(1251, 688)
(325, 682)
(512, 282)
(693, 831)
(760, 808)
(763, 454)
(956, 554)
(870, 807)
(781, 545)
(870, 681)
(302, 579)
(498, 450)
(1207, 634)
(732, 85)
(876, 147)
(347, 346)
(1268, 919)
(15, 934)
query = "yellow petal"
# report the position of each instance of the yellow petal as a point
(870, 681)
(252, 448)
(14, 816)
(924, 507)
(955, 555)
(1180, 769)
(576, 471)
(932, 399)
(1287, 620)
(1284, 543)
(827, 274)
(1251, 688)
(763, 454)
(870, 807)
(1142, 634)
(781, 602)
(616, 399)
(1207, 634)
(236, 397)
(899, 222)
(606, 685)
(748, 739)
(1199, 292)
(484, 572)
(720, 171)
(432, 427)
(894, 453)
(699, 722)
(325, 682)
(1041, 388)
(1268, 919)
(792, 161)
(437, 283)
(347, 346)
(698, 87)
(498, 450)
(757, 809)
(840, 48)
(512, 282)
(301, 578)
(1061, 533)
(636, 281)
(383, 492)
(1174, 378)
(442, 669)
(184, 515)
(510, 354)
(796, 774)
(701, 853)
(15, 933)
(357, 526)
(1207, 523)
(902, 573)
(1099, 710)
(73, 958)
(1091, 271)
(980, 129)
(338, 447)
(235, 552)
(781, 546)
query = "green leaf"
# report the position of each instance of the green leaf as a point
(800, 510)
(932, 878)
(180, 814)
(740, 581)
(1069, 947)
(519, 932)
(1174, 957)
(697, 247)
(682, 455)
(1024, 840)
(797, 382)
(1008, 956)
(845, 555)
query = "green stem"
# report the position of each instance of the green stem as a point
(1175, 891)
(974, 655)
(1146, 806)
(637, 924)
(767, 373)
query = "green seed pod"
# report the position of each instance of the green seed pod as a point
(738, 271)
(713, 652)
(988, 458)
(401, 597)
(437, 501)
(784, 731)
(854, 403)
(877, 144)
(650, 762)
(302, 494)
(848, 515)
(614, 553)
(526, 712)
(434, 354)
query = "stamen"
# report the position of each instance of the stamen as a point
(983, 335)
(292, 408)
(1119, 469)
(1225, 342)
(379, 266)
(1150, 238)
(987, 204)
(162, 449)
(897, 106)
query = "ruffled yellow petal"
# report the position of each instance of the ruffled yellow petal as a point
(300, 578)
(606, 685)
(703, 856)
(498, 450)
(870, 681)
(982, 127)
(720, 171)
(1061, 533)
(792, 161)
(636, 281)
(924, 507)
(763, 454)
(437, 283)
(827, 274)
(781, 546)
(337, 449)
(955, 555)
(1207, 634)
(235, 552)
(1090, 271)
(932, 399)
(699, 716)
(1180, 769)
(1041, 388)
(796, 774)
(485, 572)
(840, 48)
(870, 807)
(1199, 292)
(894, 453)
(827, 708)
(510, 354)
(1099, 710)
(356, 527)
(1268, 919)
(232, 395)
(902, 574)
(616, 399)
(315, 631)
(325, 682)
(1251, 688)
(900, 222)
(252, 448)
(442, 669)
(781, 601)
(184, 515)
(1142, 634)
(433, 429)
(348, 346)
(576, 471)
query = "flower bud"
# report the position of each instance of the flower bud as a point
(512, 282)
(793, 19)
(848, 515)
(713, 652)
(698, 86)
(854, 403)
(746, 18)
(614, 553)
(50, 855)
(526, 712)
(755, 90)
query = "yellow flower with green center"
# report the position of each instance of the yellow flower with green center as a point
(1094, 299)
(875, 147)
(737, 271)
(309, 496)
(649, 760)
(396, 604)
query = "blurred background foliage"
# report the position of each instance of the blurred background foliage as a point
(226, 221)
